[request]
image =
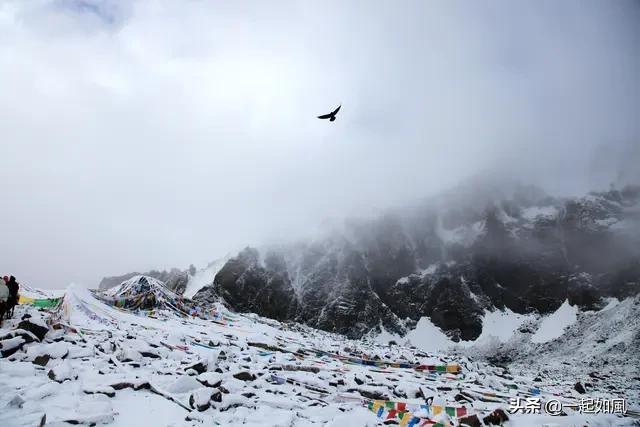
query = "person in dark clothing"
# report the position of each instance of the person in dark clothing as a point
(4, 299)
(14, 287)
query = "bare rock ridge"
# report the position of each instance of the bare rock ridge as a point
(448, 261)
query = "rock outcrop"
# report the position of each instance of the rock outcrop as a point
(449, 260)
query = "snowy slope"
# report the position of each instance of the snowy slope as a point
(553, 326)
(109, 366)
(204, 277)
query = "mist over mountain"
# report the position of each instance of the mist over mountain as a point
(449, 258)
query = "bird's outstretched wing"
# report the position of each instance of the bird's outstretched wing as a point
(325, 116)
(336, 111)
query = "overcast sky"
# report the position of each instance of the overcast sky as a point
(151, 134)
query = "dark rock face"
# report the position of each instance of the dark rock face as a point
(249, 286)
(526, 252)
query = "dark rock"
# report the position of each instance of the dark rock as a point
(244, 376)
(200, 366)
(42, 360)
(35, 328)
(496, 418)
(579, 388)
(369, 394)
(126, 384)
(461, 398)
(149, 354)
(106, 392)
(217, 396)
(470, 421)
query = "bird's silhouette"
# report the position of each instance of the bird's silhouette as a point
(332, 115)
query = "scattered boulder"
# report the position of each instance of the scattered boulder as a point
(369, 394)
(200, 399)
(184, 384)
(41, 360)
(56, 350)
(579, 388)
(210, 379)
(496, 418)
(135, 384)
(200, 366)
(62, 373)
(470, 421)
(244, 376)
(149, 354)
(11, 345)
(36, 326)
(107, 391)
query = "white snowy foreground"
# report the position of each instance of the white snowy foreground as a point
(98, 364)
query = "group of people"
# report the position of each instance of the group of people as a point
(8, 296)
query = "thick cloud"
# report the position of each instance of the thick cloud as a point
(150, 134)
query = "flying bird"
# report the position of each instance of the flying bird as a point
(331, 116)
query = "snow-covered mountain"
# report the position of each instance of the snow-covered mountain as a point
(174, 279)
(448, 261)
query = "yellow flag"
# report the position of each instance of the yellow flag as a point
(436, 409)
(405, 419)
(453, 368)
(25, 300)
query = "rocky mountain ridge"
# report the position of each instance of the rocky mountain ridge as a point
(449, 259)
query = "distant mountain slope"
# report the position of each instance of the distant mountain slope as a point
(449, 260)
(174, 279)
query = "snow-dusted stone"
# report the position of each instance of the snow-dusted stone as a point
(91, 413)
(244, 376)
(11, 345)
(128, 354)
(62, 372)
(149, 354)
(233, 401)
(497, 417)
(16, 401)
(57, 350)
(375, 393)
(200, 366)
(200, 399)
(77, 352)
(184, 384)
(106, 390)
(46, 389)
(210, 379)
(134, 383)
(37, 326)
(29, 337)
